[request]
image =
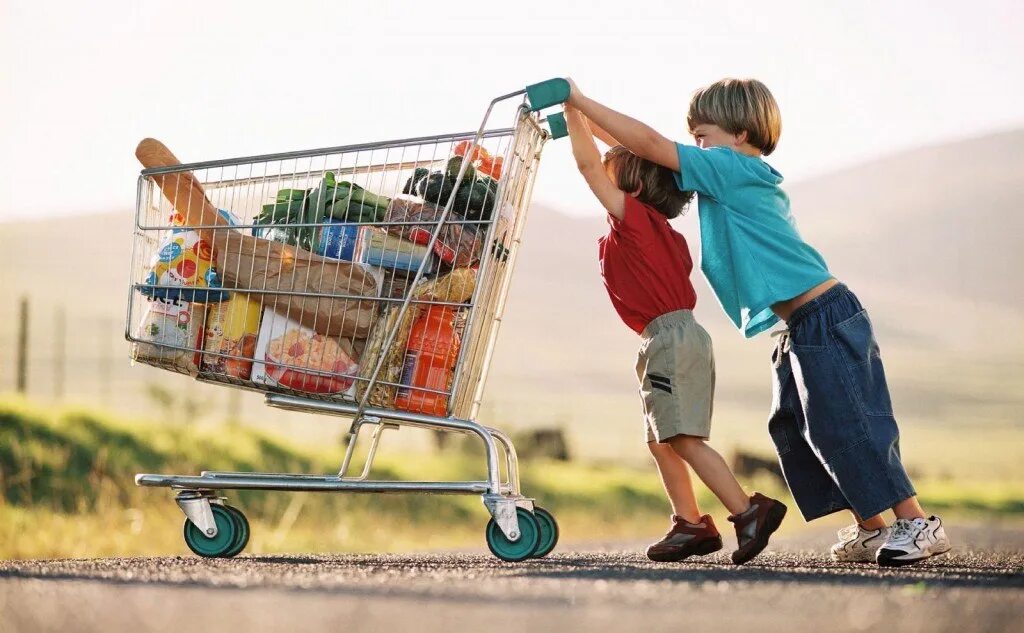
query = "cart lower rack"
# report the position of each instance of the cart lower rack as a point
(365, 281)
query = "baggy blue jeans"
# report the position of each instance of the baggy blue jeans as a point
(832, 421)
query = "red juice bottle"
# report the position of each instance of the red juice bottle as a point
(429, 362)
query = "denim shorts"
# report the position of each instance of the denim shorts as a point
(832, 421)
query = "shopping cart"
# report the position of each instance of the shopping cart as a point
(366, 281)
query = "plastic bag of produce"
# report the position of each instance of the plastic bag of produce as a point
(458, 244)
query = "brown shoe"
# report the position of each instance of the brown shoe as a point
(755, 526)
(686, 539)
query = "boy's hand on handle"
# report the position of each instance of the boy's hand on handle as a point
(588, 161)
(574, 93)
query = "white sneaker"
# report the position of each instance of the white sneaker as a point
(913, 541)
(857, 545)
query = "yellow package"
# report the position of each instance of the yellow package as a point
(231, 330)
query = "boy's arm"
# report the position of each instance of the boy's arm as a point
(637, 137)
(588, 161)
(602, 134)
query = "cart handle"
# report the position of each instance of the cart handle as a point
(548, 93)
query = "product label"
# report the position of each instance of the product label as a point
(408, 371)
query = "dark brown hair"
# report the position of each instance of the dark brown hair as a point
(656, 184)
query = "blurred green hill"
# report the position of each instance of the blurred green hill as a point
(67, 489)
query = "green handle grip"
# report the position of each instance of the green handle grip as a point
(547, 93)
(556, 122)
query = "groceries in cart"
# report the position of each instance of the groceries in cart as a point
(326, 295)
(454, 287)
(480, 158)
(170, 334)
(382, 249)
(296, 357)
(338, 240)
(183, 266)
(329, 201)
(300, 303)
(230, 336)
(474, 198)
(429, 362)
(458, 244)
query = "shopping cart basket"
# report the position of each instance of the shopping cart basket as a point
(366, 281)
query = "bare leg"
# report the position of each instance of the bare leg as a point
(873, 523)
(909, 509)
(712, 470)
(675, 476)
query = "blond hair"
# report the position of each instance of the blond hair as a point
(739, 105)
(656, 185)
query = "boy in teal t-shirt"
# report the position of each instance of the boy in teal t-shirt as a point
(832, 422)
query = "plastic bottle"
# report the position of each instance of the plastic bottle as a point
(429, 362)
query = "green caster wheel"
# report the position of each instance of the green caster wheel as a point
(227, 534)
(548, 532)
(242, 536)
(521, 549)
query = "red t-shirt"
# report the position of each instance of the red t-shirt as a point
(646, 266)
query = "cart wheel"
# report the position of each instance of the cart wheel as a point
(207, 547)
(548, 532)
(242, 533)
(521, 549)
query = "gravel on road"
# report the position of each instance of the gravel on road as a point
(787, 588)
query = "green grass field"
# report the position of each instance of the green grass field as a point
(67, 489)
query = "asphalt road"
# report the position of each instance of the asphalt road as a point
(793, 587)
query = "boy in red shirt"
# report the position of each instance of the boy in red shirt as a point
(646, 268)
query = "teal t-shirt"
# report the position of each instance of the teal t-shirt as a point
(751, 252)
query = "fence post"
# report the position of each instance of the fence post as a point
(22, 369)
(59, 339)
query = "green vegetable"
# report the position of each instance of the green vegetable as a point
(412, 185)
(287, 195)
(367, 198)
(344, 201)
(474, 199)
(439, 188)
(463, 200)
(453, 166)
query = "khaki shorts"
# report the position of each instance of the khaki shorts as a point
(676, 370)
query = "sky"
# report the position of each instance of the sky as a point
(82, 82)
